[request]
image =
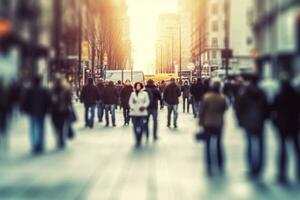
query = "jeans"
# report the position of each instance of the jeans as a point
(154, 115)
(214, 149)
(100, 109)
(174, 109)
(138, 128)
(283, 155)
(110, 109)
(89, 110)
(37, 133)
(186, 103)
(255, 152)
(126, 116)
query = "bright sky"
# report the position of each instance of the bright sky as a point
(143, 20)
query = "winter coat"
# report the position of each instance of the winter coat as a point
(171, 94)
(213, 109)
(37, 101)
(110, 95)
(138, 104)
(156, 97)
(125, 95)
(252, 109)
(197, 91)
(100, 87)
(89, 94)
(185, 91)
(286, 111)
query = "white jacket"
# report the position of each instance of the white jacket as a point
(137, 101)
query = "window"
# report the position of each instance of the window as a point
(215, 9)
(215, 26)
(214, 54)
(215, 42)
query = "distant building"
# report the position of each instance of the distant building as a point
(167, 43)
(276, 26)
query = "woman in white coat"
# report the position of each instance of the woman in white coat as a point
(139, 102)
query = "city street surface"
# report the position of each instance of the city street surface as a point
(102, 164)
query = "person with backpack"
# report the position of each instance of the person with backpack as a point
(138, 103)
(89, 97)
(171, 97)
(155, 98)
(125, 95)
(251, 109)
(110, 100)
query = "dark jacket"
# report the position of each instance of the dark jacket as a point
(286, 110)
(100, 87)
(37, 101)
(185, 91)
(171, 94)
(125, 95)
(197, 91)
(252, 109)
(110, 95)
(156, 97)
(89, 94)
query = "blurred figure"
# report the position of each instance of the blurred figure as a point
(286, 115)
(156, 97)
(197, 91)
(252, 110)
(138, 102)
(228, 92)
(110, 100)
(37, 102)
(185, 89)
(171, 97)
(4, 113)
(61, 108)
(162, 87)
(119, 87)
(125, 95)
(100, 105)
(211, 119)
(89, 97)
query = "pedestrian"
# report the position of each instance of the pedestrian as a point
(252, 110)
(185, 89)
(155, 98)
(89, 97)
(36, 104)
(211, 119)
(61, 105)
(162, 87)
(197, 91)
(286, 115)
(138, 102)
(110, 100)
(100, 105)
(125, 95)
(171, 97)
(119, 87)
(4, 114)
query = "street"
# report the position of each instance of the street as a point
(103, 164)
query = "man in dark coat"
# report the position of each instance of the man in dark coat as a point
(197, 91)
(100, 105)
(286, 115)
(186, 96)
(37, 101)
(125, 95)
(156, 97)
(110, 100)
(252, 110)
(89, 97)
(171, 97)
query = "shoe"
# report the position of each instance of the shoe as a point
(114, 125)
(106, 125)
(168, 125)
(175, 125)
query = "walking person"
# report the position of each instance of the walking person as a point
(197, 91)
(185, 89)
(36, 104)
(100, 104)
(286, 115)
(211, 119)
(125, 95)
(61, 104)
(153, 107)
(110, 100)
(251, 108)
(4, 114)
(138, 102)
(89, 97)
(171, 97)
(119, 87)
